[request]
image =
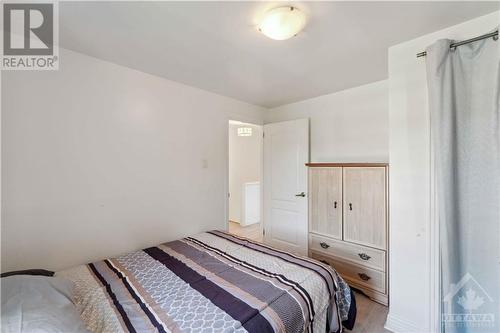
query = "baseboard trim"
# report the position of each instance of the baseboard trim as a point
(398, 325)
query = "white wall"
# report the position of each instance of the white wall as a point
(411, 301)
(346, 126)
(245, 161)
(99, 159)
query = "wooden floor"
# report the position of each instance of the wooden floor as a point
(253, 231)
(371, 316)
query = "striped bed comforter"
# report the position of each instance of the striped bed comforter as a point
(211, 282)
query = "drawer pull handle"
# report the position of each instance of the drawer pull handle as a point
(335, 204)
(350, 206)
(364, 256)
(364, 277)
(324, 245)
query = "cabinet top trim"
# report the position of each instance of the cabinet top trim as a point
(317, 165)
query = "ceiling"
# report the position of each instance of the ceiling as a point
(215, 46)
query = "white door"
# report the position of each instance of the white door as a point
(286, 151)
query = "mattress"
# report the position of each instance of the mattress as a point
(211, 282)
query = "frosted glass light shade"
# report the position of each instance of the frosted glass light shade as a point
(282, 23)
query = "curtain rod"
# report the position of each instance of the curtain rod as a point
(493, 35)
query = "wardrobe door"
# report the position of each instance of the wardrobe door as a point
(325, 201)
(365, 206)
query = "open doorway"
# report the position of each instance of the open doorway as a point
(245, 180)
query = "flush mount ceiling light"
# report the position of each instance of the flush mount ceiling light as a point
(282, 23)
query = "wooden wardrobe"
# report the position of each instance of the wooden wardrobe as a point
(348, 224)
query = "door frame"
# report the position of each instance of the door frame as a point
(253, 122)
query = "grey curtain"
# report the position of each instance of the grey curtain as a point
(464, 100)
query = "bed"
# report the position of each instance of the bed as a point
(211, 282)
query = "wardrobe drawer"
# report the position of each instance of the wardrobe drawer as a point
(352, 252)
(359, 275)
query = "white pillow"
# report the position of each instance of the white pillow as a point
(39, 304)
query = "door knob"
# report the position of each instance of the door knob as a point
(301, 194)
